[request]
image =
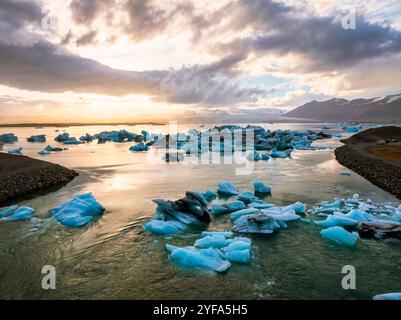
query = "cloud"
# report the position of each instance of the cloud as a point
(44, 66)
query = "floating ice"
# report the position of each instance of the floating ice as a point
(78, 212)
(235, 215)
(253, 156)
(228, 207)
(16, 213)
(209, 195)
(262, 205)
(256, 223)
(189, 210)
(388, 296)
(53, 149)
(16, 151)
(44, 152)
(139, 147)
(8, 138)
(72, 141)
(353, 129)
(163, 227)
(265, 156)
(333, 221)
(226, 234)
(227, 188)
(248, 197)
(87, 138)
(37, 138)
(62, 137)
(261, 188)
(212, 241)
(340, 236)
(117, 136)
(280, 154)
(208, 259)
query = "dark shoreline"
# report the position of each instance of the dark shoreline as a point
(23, 176)
(357, 155)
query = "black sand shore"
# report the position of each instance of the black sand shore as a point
(375, 154)
(22, 176)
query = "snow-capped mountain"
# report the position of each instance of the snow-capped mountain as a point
(374, 109)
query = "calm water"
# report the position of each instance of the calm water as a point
(113, 258)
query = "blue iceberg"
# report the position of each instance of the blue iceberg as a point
(336, 220)
(261, 188)
(191, 257)
(235, 215)
(340, 236)
(163, 227)
(227, 188)
(254, 156)
(226, 234)
(256, 223)
(16, 151)
(209, 195)
(139, 147)
(53, 149)
(228, 207)
(280, 154)
(248, 197)
(388, 296)
(16, 213)
(212, 241)
(87, 138)
(37, 138)
(44, 152)
(8, 138)
(78, 212)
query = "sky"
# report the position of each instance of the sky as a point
(155, 61)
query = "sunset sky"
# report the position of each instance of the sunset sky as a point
(144, 60)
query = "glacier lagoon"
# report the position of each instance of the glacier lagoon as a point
(115, 258)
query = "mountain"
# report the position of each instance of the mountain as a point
(375, 109)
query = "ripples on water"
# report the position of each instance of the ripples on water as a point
(114, 258)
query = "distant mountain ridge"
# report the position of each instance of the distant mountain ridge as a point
(379, 109)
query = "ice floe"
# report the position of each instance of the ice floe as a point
(16, 213)
(215, 251)
(388, 296)
(227, 188)
(260, 188)
(37, 138)
(8, 138)
(78, 212)
(139, 147)
(340, 236)
(16, 151)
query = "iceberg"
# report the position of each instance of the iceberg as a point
(340, 236)
(117, 136)
(261, 205)
(388, 296)
(78, 212)
(239, 256)
(16, 213)
(298, 207)
(53, 149)
(248, 197)
(265, 156)
(235, 215)
(16, 151)
(62, 137)
(8, 138)
(228, 207)
(139, 147)
(209, 195)
(37, 138)
(191, 257)
(212, 241)
(335, 220)
(256, 223)
(253, 156)
(189, 210)
(44, 152)
(280, 154)
(261, 188)
(72, 141)
(227, 188)
(226, 234)
(380, 229)
(87, 138)
(163, 227)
